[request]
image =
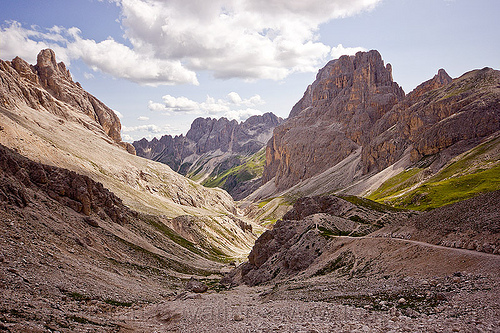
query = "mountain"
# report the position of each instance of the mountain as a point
(47, 84)
(333, 119)
(50, 119)
(95, 238)
(211, 148)
(355, 128)
(69, 246)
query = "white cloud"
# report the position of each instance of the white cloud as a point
(179, 104)
(229, 107)
(88, 76)
(27, 43)
(241, 115)
(143, 118)
(147, 128)
(118, 114)
(247, 39)
(121, 61)
(149, 131)
(127, 138)
(340, 50)
(172, 40)
(234, 98)
(107, 56)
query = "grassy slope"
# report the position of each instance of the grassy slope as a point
(474, 172)
(250, 169)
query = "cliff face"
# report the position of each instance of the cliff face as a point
(211, 147)
(354, 109)
(333, 119)
(47, 85)
(208, 135)
(438, 114)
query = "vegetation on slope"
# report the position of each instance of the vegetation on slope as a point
(474, 172)
(250, 168)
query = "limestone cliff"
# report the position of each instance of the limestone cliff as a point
(355, 114)
(47, 85)
(333, 119)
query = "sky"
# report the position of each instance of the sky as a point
(159, 64)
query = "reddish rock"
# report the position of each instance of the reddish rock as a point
(333, 119)
(47, 84)
(438, 114)
(353, 105)
(196, 286)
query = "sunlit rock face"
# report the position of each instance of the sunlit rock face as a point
(355, 108)
(333, 118)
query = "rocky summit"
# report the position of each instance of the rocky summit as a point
(212, 147)
(48, 83)
(333, 119)
(362, 123)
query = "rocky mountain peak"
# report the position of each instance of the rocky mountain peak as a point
(363, 72)
(333, 118)
(209, 135)
(212, 147)
(46, 84)
(48, 69)
(439, 80)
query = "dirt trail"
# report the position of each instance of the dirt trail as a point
(462, 302)
(463, 251)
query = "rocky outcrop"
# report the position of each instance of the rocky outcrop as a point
(196, 286)
(333, 118)
(78, 192)
(309, 240)
(354, 106)
(306, 232)
(47, 85)
(438, 114)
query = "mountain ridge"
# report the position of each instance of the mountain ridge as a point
(67, 134)
(365, 127)
(212, 147)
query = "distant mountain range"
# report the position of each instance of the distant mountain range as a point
(212, 147)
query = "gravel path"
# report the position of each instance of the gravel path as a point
(243, 309)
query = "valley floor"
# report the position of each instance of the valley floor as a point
(445, 298)
(439, 300)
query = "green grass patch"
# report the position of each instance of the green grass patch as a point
(370, 204)
(395, 184)
(269, 222)
(249, 168)
(438, 193)
(477, 171)
(264, 202)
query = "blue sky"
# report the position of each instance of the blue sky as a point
(162, 63)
